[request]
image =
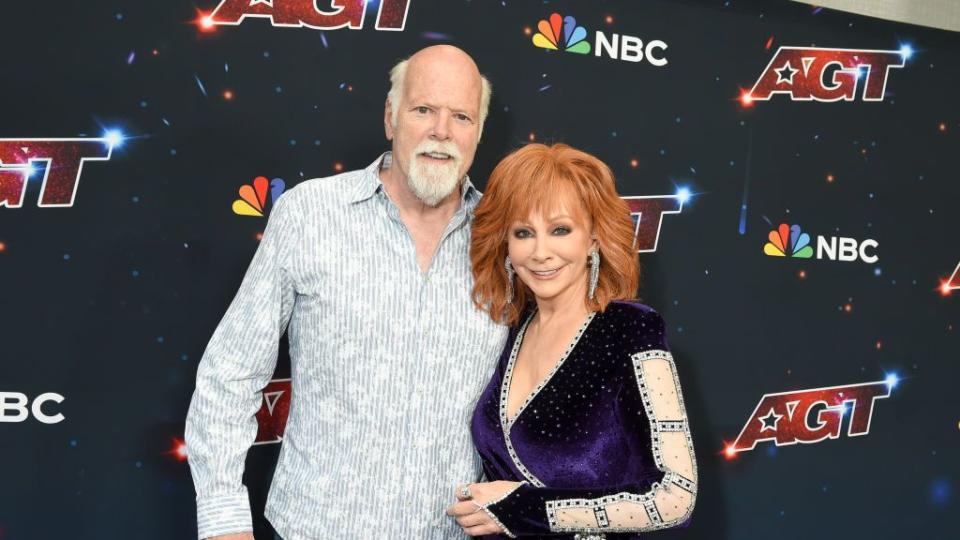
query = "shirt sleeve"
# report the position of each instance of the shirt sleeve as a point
(635, 505)
(236, 365)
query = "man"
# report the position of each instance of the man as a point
(369, 274)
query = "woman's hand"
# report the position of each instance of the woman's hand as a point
(469, 510)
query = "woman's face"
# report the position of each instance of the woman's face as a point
(549, 252)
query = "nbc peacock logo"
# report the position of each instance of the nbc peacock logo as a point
(788, 241)
(561, 33)
(253, 196)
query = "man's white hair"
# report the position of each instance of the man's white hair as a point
(398, 76)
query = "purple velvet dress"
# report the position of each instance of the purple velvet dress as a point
(586, 439)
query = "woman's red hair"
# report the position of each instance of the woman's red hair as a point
(538, 179)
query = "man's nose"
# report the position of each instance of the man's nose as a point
(441, 125)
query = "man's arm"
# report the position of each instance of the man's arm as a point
(237, 364)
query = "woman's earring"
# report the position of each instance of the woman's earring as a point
(594, 273)
(508, 265)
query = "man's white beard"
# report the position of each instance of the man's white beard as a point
(433, 182)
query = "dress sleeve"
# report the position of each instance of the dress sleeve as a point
(635, 505)
(236, 365)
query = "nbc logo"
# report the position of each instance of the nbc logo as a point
(559, 33)
(790, 241)
(788, 238)
(570, 40)
(253, 197)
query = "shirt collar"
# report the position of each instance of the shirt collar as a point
(370, 184)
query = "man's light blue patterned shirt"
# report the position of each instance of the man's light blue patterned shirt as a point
(386, 365)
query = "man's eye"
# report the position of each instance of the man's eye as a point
(462, 117)
(423, 110)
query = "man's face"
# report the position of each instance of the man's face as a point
(438, 125)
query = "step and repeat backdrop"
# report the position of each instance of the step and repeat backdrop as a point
(790, 168)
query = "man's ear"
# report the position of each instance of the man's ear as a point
(387, 119)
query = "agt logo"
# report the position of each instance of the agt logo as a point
(16, 407)
(811, 416)
(562, 33)
(790, 241)
(253, 196)
(61, 176)
(391, 15)
(647, 212)
(818, 74)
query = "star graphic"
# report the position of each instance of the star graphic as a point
(785, 74)
(770, 421)
(255, 2)
(272, 398)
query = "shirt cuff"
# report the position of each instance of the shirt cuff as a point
(223, 513)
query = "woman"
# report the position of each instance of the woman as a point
(582, 430)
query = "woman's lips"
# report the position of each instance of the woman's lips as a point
(545, 274)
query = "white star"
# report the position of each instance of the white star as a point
(769, 421)
(789, 70)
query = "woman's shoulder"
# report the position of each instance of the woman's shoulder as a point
(638, 327)
(631, 312)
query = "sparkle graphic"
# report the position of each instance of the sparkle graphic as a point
(742, 226)
(177, 450)
(952, 283)
(204, 22)
(906, 51)
(114, 138)
(203, 90)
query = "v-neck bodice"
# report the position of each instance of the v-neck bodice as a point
(507, 384)
(574, 412)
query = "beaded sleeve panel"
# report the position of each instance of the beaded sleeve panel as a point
(668, 502)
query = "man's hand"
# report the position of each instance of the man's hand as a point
(233, 536)
(469, 512)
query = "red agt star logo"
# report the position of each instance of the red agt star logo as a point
(272, 416)
(392, 14)
(811, 416)
(61, 177)
(818, 74)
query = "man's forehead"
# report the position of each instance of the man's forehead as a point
(455, 88)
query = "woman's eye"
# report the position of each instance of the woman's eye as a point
(559, 231)
(522, 233)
